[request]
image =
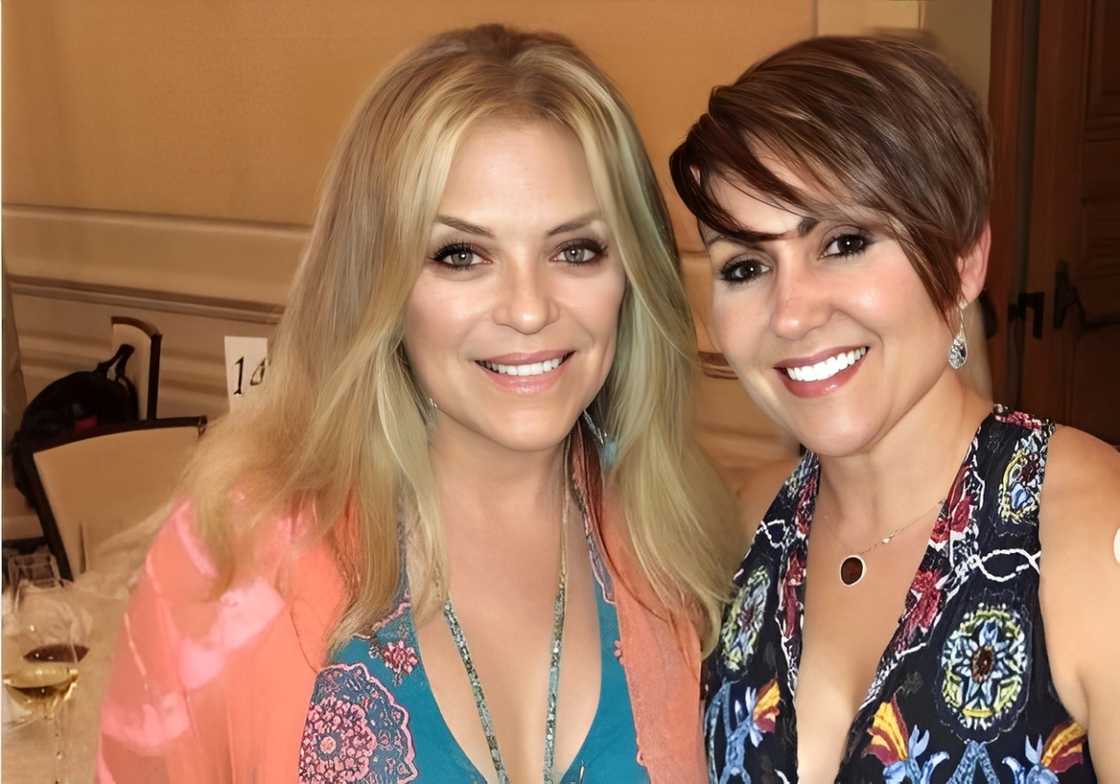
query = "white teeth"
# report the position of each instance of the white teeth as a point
(826, 368)
(531, 369)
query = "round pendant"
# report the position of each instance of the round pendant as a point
(852, 569)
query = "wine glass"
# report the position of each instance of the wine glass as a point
(41, 670)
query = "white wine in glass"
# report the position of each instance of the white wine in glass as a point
(41, 686)
(43, 673)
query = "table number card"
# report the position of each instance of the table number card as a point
(246, 367)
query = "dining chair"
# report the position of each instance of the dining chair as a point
(143, 366)
(90, 486)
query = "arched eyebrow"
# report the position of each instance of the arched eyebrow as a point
(575, 225)
(472, 228)
(464, 226)
(754, 239)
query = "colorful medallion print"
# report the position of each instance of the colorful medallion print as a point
(985, 667)
(962, 692)
(1021, 484)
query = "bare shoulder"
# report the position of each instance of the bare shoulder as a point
(1081, 491)
(1080, 582)
(758, 491)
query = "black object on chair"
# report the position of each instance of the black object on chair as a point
(143, 370)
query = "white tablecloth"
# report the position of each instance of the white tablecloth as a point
(103, 593)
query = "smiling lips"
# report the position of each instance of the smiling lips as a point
(526, 373)
(822, 373)
(528, 369)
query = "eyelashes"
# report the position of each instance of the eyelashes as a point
(739, 271)
(584, 251)
(846, 244)
(463, 255)
(456, 255)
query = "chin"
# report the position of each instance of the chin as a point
(835, 435)
(534, 436)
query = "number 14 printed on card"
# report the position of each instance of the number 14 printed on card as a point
(246, 366)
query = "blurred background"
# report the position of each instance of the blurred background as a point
(161, 162)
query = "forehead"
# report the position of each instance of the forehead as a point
(753, 210)
(533, 166)
(758, 212)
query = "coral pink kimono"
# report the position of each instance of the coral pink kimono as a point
(216, 690)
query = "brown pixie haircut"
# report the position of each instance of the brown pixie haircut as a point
(881, 129)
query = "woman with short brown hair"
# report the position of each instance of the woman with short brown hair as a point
(842, 190)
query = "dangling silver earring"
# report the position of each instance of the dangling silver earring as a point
(958, 349)
(600, 436)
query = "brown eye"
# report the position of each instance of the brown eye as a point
(742, 271)
(847, 245)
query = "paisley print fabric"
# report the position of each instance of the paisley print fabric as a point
(963, 691)
(356, 731)
(373, 718)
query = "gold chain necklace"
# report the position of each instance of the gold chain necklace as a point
(853, 567)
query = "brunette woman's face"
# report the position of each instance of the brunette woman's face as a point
(828, 325)
(511, 326)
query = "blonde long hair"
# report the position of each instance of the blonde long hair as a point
(339, 429)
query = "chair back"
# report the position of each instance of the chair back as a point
(143, 366)
(88, 488)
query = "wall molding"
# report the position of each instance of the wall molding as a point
(147, 299)
(226, 266)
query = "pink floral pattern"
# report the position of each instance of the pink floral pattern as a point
(956, 517)
(923, 605)
(400, 657)
(337, 743)
(355, 731)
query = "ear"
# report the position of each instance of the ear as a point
(973, 266)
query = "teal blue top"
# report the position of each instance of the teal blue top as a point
(373, 717)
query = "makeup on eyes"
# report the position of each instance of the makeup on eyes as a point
(452, 254)
(573, 251)
(848, 241)
(461, 255)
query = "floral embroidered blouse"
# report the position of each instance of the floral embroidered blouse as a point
(963, 692)
(373, 717)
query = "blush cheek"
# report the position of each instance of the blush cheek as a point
(736, 335)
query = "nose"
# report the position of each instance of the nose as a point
(801, 301)
(525, 302)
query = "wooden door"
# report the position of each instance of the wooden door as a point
(1071, 366)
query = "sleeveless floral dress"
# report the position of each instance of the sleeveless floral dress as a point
(374, 719)
(963, 692)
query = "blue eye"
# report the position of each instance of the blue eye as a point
(580, 252)
(849, 244)
(739, 271)
(457, 255)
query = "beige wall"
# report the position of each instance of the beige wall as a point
(162, 158)
(962, 31)
(959, 29)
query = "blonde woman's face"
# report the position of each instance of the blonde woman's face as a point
(511, 326)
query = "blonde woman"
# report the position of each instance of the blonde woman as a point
(407, 562)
